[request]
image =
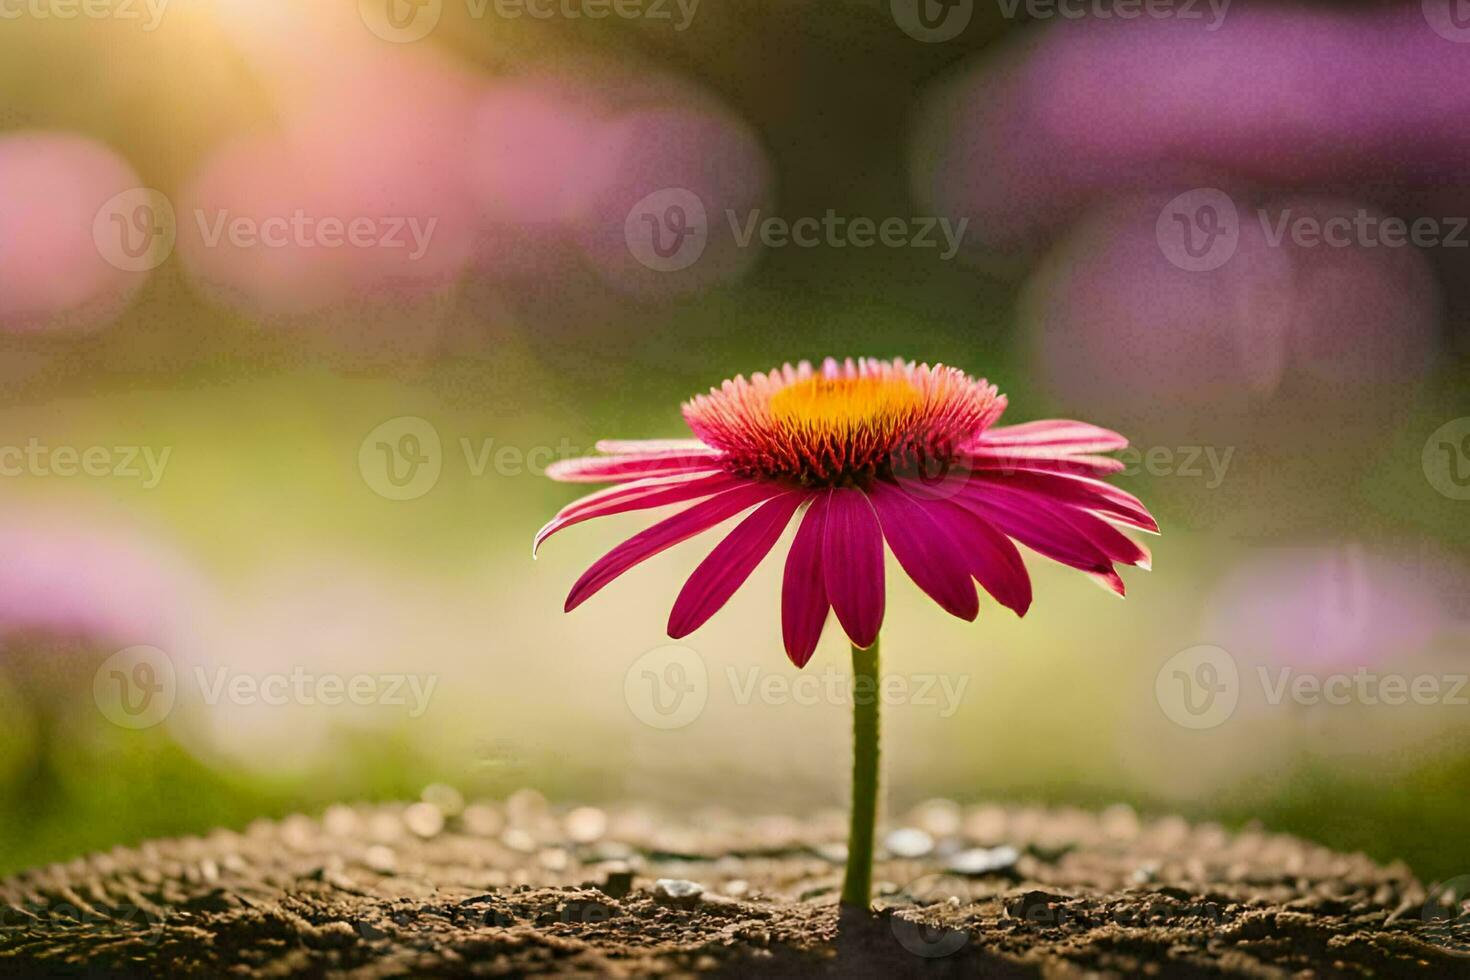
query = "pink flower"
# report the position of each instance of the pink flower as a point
(874, 451)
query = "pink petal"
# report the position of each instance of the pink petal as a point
(803, 588)
(611, 469)
(622, 446)
(1079, 492)
(1055, 436)
(1109, 580)
(620, 500)
(852, 560)
(685, 524)
(925, 550)
(730, 563)
(1034, 524)
(1011, 461)
(1103, 537)
(994, 560)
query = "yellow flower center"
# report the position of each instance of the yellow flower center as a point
(845, 407)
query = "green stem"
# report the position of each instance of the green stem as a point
(857, 885)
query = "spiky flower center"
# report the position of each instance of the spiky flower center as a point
(845, 424)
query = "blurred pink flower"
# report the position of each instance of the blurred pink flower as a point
(1114, 321)
(1291, 96)
(1340, 606)
(76, 578)
(53, 275)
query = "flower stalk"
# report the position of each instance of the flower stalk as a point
(857, 883)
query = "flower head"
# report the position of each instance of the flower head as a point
(873, 451)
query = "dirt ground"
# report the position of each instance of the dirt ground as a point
(436, 889)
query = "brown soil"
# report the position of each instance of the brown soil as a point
(519, 888)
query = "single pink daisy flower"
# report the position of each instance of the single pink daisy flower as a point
(874, 451)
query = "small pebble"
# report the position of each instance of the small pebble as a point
(340, 821)
(424, 819)
(909, 842)
(938, 817)
(482, 819)
(446, 799)
(978, 861)
(384, 826)
(736, 887)
(586, 824)
(678, 889)
(380, 858)
(525, 808)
